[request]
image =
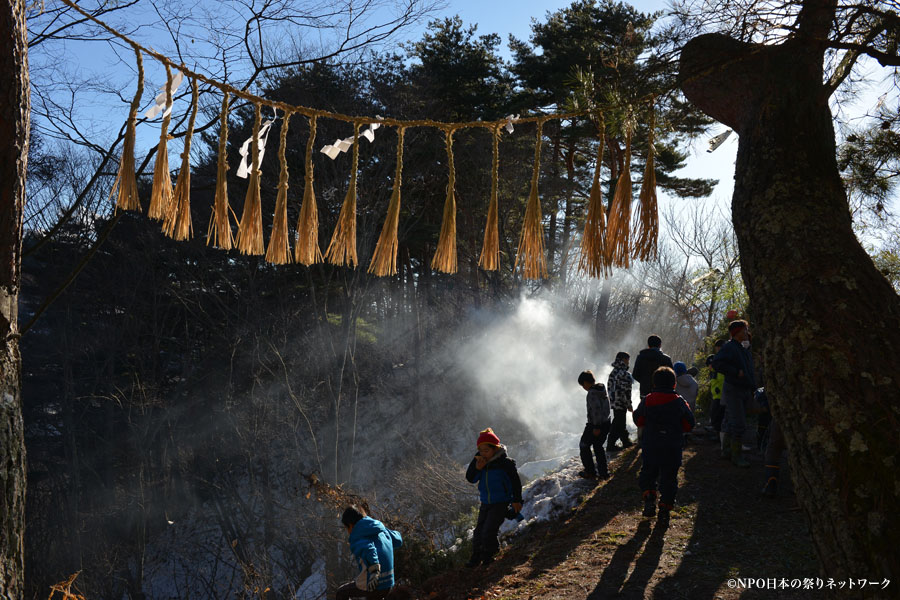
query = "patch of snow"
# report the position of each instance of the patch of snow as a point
(315, 586)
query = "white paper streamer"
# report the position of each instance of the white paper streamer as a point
(244, 169)
(333, 150)
(717, 141)
(160, 101)
(510, 119)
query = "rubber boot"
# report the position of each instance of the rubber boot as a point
(726, 445)
(771, 489)
(737, 455)
(649, 503)
(664, 512)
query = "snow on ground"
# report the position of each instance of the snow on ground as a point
(550, 496)
(315, 586)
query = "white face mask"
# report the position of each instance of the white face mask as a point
(745, 343)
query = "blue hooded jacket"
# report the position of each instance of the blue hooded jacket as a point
(498, 482)
(371, 542)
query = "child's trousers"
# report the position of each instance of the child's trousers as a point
(485, 539)
(588, 441)
(660, 464)
(618, 430)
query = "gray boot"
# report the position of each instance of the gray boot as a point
(737, 455)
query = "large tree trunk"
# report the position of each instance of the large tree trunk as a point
(826, 322)
(14, 123)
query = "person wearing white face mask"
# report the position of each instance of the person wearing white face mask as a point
(735, 361)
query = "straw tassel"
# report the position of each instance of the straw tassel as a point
(445, 256)
(531, 242)
(249, 238)
(342, 248)
(279, 252)
(219, 232)
(490, 249)
(384, 260)
(178, 222)
(126, 182)
(593, 260)
(648, 219)
(307, 249)
(617, 248)
(161, 197)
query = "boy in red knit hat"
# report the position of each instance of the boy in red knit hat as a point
(499, 485)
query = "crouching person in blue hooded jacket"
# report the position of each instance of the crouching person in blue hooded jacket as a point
(372, 545)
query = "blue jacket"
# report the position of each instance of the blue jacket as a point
(664, 415)
(371, 542)
(498, 482)
(733, 358)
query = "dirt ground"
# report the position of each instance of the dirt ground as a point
(721, 529)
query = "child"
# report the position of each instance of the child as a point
(685, 385)
(499, 485)
(372, 545)
(596, 429)
(665, 416)
(619, 387)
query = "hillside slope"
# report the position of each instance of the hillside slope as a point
(721, 529)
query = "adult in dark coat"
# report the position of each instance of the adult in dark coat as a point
(735, 361)
(647, 362)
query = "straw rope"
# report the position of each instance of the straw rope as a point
(249, 238)
(445, 255)
(178, 224)
(126, 181)
(490, 250)
(384, 260)
(279, 252)
(161, 197)
(219, 232)
(647, 225)
(307, 249)
(592, 259)
(531, 242)
(342, 248)
(617, 248)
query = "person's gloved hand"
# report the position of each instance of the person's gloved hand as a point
(372, 575)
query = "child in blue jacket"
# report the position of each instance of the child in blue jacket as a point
(665, 417)
(372, 545)
(499, 485)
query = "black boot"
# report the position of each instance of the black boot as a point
(664, 511)
(649, 503)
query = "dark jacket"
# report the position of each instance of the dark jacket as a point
(733, 358)
(597, 406)
(498, 482)
(647, 362)
(665, 416)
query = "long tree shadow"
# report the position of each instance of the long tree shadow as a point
(734, 530)
(614, 574)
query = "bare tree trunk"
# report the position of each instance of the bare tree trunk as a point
(14, 128)
(827, 321)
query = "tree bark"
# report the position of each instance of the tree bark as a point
(826, 322)
(14, 127)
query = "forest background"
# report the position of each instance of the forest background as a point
(175, 394)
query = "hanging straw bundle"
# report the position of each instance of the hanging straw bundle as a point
(490, 249)
(342, 248)
(531, 242)
(617, 247)
(647, 231)
(178, 222)
(279, 252)
(592, 259)
(307, 249)
(126, 182)
(161, 197)
(445, 256)
(250, 238)
(384, 260)
(219, 232)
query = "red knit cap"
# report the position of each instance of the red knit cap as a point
(488, 437)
